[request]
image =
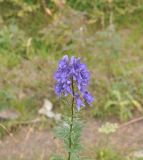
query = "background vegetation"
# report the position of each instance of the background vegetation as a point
(106, 34)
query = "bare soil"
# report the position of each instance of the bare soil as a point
(34, 144)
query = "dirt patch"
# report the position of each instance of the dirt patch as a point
(30, 143)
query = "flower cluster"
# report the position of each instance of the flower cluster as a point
(72, 72)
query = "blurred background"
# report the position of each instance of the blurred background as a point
(34, 35)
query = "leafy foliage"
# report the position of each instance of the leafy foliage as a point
(122, 104)
(101, 10)
(12, 40)
(64, 133)
(108, 154)
(57, 158)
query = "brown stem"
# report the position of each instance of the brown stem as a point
(71, 125)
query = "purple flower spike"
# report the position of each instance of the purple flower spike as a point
(73, 70)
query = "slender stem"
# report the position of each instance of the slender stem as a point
(71, 125)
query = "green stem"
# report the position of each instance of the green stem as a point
(71, 125)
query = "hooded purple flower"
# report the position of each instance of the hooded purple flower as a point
(73, 70)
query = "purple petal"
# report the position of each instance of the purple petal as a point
(64, 62)
(88, 97)
(79, 102)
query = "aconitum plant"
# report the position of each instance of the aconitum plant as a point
(72, 80)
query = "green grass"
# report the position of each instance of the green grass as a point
(33, 50)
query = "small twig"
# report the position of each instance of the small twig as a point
(46, 10)
(26, 140)
(10, 134)
(131, 122)
(42, 155)
(33, 121)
